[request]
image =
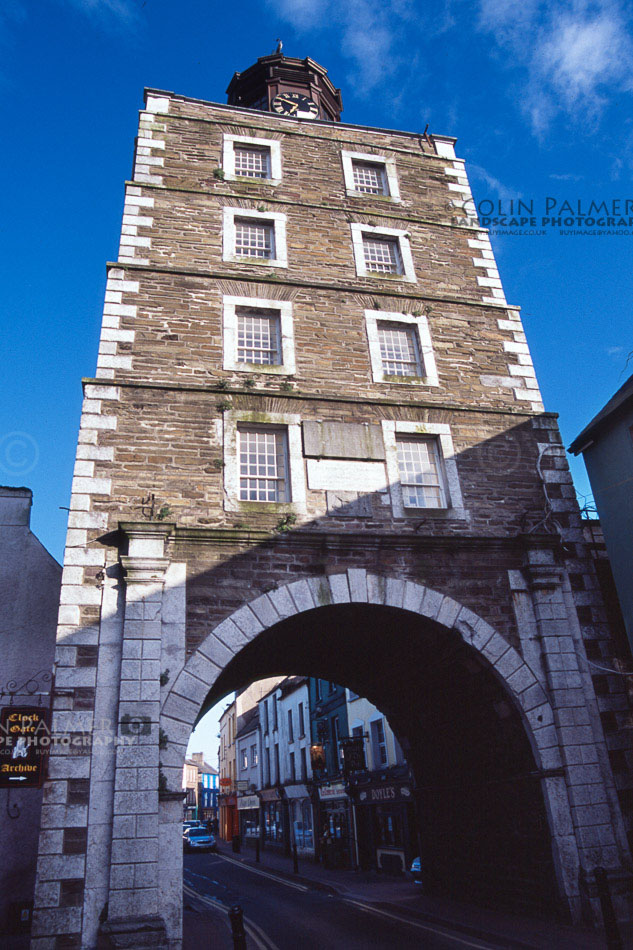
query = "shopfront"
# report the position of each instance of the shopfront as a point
(385, 823)
(337, 840)
(229, 823)
(248, 809)
(300, 815)
(272, 818)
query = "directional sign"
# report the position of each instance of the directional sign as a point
(24, 745)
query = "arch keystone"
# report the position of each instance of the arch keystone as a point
(376, 587)
(320, 590)
(339, 588)
(413, 594)
(394, 592)
(357, 579)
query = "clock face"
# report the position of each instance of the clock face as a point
(296, 105)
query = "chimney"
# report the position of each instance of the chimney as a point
(15, 506)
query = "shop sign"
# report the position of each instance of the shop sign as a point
(24, 744)
(383, 794)
(353, 754)
(225, 782)
(242, 785)
(328, 792)
(247, 802)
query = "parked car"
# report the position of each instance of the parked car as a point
(191, 824)
(416, 871)
(198, 839)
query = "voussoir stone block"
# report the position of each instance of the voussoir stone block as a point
(264, 610)
(283, 602)
(231, 635)
(215, 651)
(200, 666)
(448, 612)
(301, 595)
(191, 688)
(179, 707)
(247, 621)
(431, 603)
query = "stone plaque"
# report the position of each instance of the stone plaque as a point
(343, 440)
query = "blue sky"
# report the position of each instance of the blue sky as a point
(538, 94)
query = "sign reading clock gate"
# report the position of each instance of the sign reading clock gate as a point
(24, 745)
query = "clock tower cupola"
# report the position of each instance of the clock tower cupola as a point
(297, 88)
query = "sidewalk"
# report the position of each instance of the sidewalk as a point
(403, 897)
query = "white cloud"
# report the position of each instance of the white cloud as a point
(497, 187)
(575, 54)
(371, 35)
(118, 10)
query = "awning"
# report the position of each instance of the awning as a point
(296, 791)
(270, 795)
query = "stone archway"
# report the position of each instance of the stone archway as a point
(191, 687)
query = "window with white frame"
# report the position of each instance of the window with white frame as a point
(254, 237)
(258, 332)
(420, 473)
(244, 759)
(382, 251)
(369, 178)
(421, 469)
(379, 743)
(382, 254)
(258, 336)
(251, 162)
(248, 157)
(369, 174)
(263, 464)
(400, 348)
(263, 461)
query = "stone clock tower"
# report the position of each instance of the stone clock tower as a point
(314, 444)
